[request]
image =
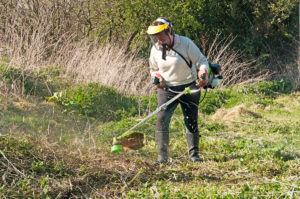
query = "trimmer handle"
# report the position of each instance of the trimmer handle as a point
(155, 80)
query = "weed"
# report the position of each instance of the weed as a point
(38, 166)
(40, 83)
(101, 102)
(44, 183)
(271, 88)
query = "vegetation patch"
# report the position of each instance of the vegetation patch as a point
(269, 88)
(234, 113)
(102, 102)
(49, 152)
(39, 83)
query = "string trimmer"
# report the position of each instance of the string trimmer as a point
(135, 140)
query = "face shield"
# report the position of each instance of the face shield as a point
(153, 31)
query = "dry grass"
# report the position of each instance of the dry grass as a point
(110, 65)
(233, 114)
(87, 61)
(30, 42)
(234, 71)
(83, 61)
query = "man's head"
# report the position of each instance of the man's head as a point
(161, 32)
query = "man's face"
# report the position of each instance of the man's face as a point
(164, 38)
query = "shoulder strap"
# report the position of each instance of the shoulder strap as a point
(190, 64)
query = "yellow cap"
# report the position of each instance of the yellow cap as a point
(152, 30)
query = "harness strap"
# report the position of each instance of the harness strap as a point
(190, 64)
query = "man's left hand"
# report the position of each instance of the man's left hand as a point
(202, 78)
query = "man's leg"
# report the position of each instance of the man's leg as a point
(162, 125)
(189, 105)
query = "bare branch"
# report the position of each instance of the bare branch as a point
(17, 170)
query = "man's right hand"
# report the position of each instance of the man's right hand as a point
(159, 81)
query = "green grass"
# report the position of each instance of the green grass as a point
(39, 83)
(64, 154)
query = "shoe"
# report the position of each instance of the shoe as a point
(193, 146)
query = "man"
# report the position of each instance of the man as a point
(176, 63)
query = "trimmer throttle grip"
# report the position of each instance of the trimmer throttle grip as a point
(203, 76)
(155, 80)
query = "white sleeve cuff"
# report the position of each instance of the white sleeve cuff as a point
(204, 66)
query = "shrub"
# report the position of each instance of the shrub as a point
(40, 83)
(96, 100)
(271, 88)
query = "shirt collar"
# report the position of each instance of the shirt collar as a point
(176, 42)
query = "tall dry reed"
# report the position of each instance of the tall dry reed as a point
(110, 65)
(234, 71)
(31, 42)
(33, 48)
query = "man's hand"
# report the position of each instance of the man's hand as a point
(202, 78)
(159, 81)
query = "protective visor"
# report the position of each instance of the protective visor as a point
(152, 30)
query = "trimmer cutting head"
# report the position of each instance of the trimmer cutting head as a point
(132, 139)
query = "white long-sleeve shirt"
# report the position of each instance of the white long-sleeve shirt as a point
(174, 69)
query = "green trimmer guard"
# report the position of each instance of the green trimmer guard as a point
(131, 139)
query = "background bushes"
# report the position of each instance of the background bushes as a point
(264, 33)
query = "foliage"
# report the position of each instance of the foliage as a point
(271, 88)
(40, 83)
(39, 33)
(254, 22)
(107, 104)
(101, 101)
(261, 27)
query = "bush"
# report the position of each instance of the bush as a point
(271, 88)
(42, 83)
(96, 100)
(18, 79)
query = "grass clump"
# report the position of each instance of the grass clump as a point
(103, 102)
(29, 82)
(96, 100)
(270, 88)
